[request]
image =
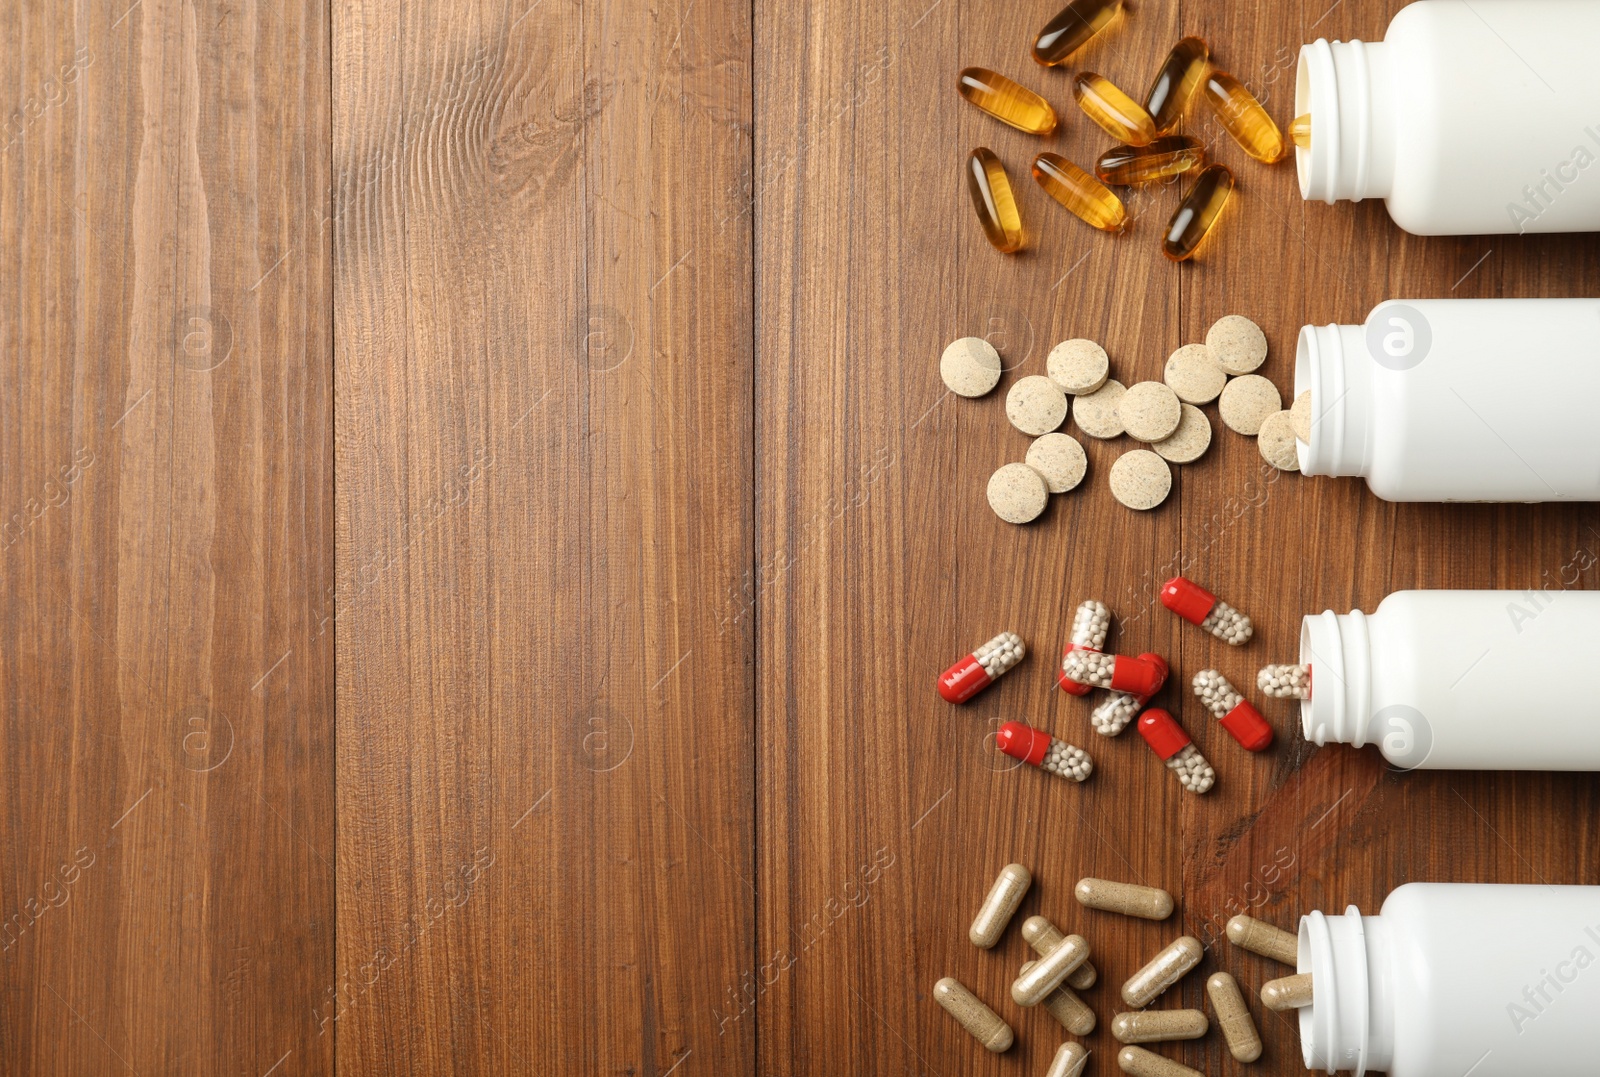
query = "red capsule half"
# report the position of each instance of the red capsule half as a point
(1187, 599)
(1163, 733)
(1245, 725)
(1021, 741)
(1137, 676)
(1066, 683)
(963, 680)
(1161, 665)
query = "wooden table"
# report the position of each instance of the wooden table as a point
(482, 524)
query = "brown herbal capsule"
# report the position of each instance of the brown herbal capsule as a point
(1130, 899)
(1157, 1026)
(1044, 936)
(1000, 905)
(1069, 1061)
(1049, 972)
(1162, 971)
(1289, 993)
(1066, 1007)
(986, 1026)
(1260, 937)
(1138, 1062)
(1238, 1027)
(1180, 75)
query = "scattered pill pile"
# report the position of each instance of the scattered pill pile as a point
(1062, 967)
(1147, 151)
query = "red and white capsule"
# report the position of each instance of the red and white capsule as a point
(1090, 624)
(1118, 672)
(981, 668)
(1200, 607)
(1168, 740)
(1038, 748)
(1236, 714)
(1112, 716)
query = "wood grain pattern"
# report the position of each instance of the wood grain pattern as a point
(166, 681)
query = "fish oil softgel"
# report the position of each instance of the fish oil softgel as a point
(1072, 28)
(1169, 155)
(1007, 101)
(1233, 712)
(1038, 748)
(1091, 201)
(1200, 607)
(1162, 971)
(993, 201)
(1180, 75)
(1285, 681)
(1242, 116)
(999, 906)
(1300, 131)
(1198, 213)
(1117, 114)
(1168, 740)
(978, 670)
(1112, 715)
(1091, 621)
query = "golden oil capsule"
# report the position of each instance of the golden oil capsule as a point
(1006, 101)
(1300, 131)
(1044, 936)
(1072, 28)
(1198, 213)
(1238, 1027)
(1180, 75)
(1159, 1026)
(986, 1026)
(1244, 118)
(1089, 199)
(1289, 993)
(1169, 155)
(1260, 937)
(990, 188)
(1118, 115)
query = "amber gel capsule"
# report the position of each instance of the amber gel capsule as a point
(1300, 131)
(1085, 196)
(1176, 82)
(992, 199)
(1244, 118)
(1169, 155)
(1198, 213)
(1072, 28)
(1118, 115)
(1006, 101)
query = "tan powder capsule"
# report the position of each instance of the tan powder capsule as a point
(1246, 401)
(986, 1026)
(1238, 343)
(1162, 971)
(1077, 366)
(1050, 971)
(1150, 411)
(970, 367)
(1289, 993)
(1189, 442)
(1035, 406)
(1130, 899)
(1044, 936)
(1017, 493)
(1138, 1062)
(1098, 413)
(1066, 1007)
(1000, 905)
(1277, 443)
(1260, 937)
(1158, 1026)
(1300, 415)
(1140, 479)
(1238, 1027)
(1194, 374)
(1069, 1061)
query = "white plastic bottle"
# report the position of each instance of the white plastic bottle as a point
(1451, 979)
(1467, 118)
(1458, 399)
(1463, 680)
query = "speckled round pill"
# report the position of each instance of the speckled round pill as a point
(1194, 374)
(1246, 401)
(1060, 459)
(1017, 493)
(1238, 344)
(1035, 406)
(1300, 415)
(1078, 366)
(1140, 479)
(1189, 442)
(970, 366)
(1098, 414)
(1277, 442)
(1150, 411)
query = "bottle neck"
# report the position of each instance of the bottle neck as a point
(1332, 361)
(1350, 1022)
(1347, 88)
(1338, 648)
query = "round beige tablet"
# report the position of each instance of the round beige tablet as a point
(1300, 415)
(1078, 366)
(1140, 479)
(1017, 493)
(1060, 459)
(1035, 406)
(1190, 441)
(1097, 414)
(1150, 411)
(1238, 343)
(1194, 374)
(1277, 441)
(1246, 401)
(970, 366)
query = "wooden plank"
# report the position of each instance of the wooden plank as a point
(166, 689)
(544, 371)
